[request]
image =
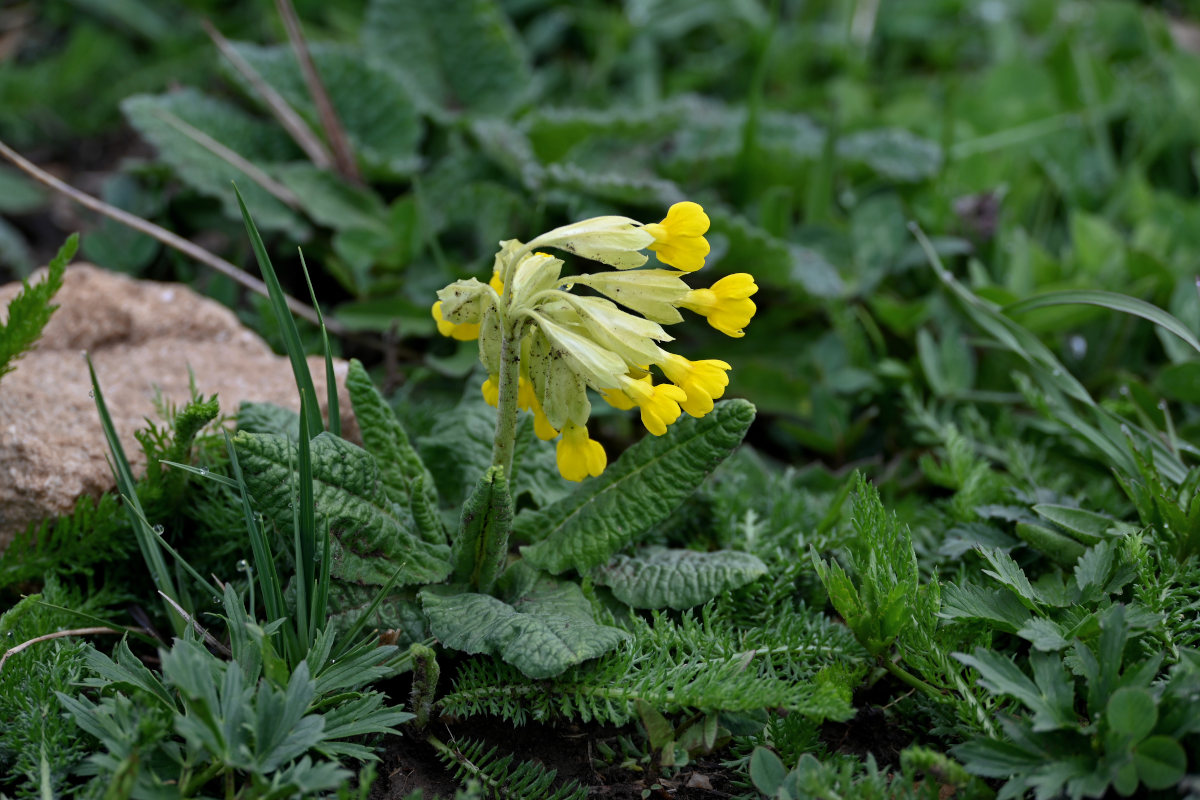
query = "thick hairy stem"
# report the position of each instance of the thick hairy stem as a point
(506, 415)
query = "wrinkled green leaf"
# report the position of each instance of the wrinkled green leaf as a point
(541, 636)
(460, 56)
(660, 578)
(481, 547)
(372, 535)
(641, 489)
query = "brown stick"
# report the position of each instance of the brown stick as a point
(165, 236)
(292, 122)
(12, 651)
(343, 155)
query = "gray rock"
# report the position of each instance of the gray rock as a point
(140, 335)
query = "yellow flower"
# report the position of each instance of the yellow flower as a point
(491, 391)
(702, 381)
(679, 238)
(467, 332)
(727, 303)
(527, 401)
(578, 455)
(659, 404)
(497, 283)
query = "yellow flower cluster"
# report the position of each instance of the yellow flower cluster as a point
(564, 343)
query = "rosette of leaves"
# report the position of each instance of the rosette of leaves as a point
(384, 514)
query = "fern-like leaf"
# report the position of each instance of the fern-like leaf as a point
(471, 759)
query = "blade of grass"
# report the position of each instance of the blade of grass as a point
(335, 418)
(148, 542)
(1112, 301)
(348, 641)
(287, 325)
(264, 563)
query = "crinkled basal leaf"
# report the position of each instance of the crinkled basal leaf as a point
(398, 619)
(268, 418)
(405, 478)
(893, 153)
(541, 638)
(375, 108)
(611, 186)
(157, 118)
(642, 488)
(456, 56)
(372, 535)
(660, 578)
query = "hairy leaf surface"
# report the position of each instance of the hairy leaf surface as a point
(657, 577)
(372, 535)
(641, 489)
(542, 634)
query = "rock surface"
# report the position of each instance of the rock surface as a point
(140, 335)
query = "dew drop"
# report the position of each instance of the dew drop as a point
(91, 394)
(243, 565)
(1056, 372)
(158, 529)
(1078, 346)
(204, 470)
(1162, 405)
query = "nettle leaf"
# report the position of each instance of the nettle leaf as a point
(405, 477)
(372, 535)
(892, 153)
(462, 56)
(661, 578)
(541, 635)
(376, 109)
(157, 118)
(647, 483)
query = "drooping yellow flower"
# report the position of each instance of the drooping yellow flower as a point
(578, 455)
(702, 381)
(659, 404)
(679, 239)
(726, 304)
(467, 332)
(527, 401)
(491, 390)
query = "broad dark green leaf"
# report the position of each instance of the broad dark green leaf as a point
(656, 577)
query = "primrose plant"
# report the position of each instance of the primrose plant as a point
(544, 344)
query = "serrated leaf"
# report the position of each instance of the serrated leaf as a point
(1044, 634)
(330, 201)
(375, 108)
(481, 547)
(405, 477)
(542, 638)
(1051, 698)
(372, 535)
(461, 56)
(660, 578)
(893, 153)
(1008, 572)
(1093, 567)
(973, 602)
(258, 142)
(641, 489)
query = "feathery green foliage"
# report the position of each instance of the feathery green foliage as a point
(28, 312)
